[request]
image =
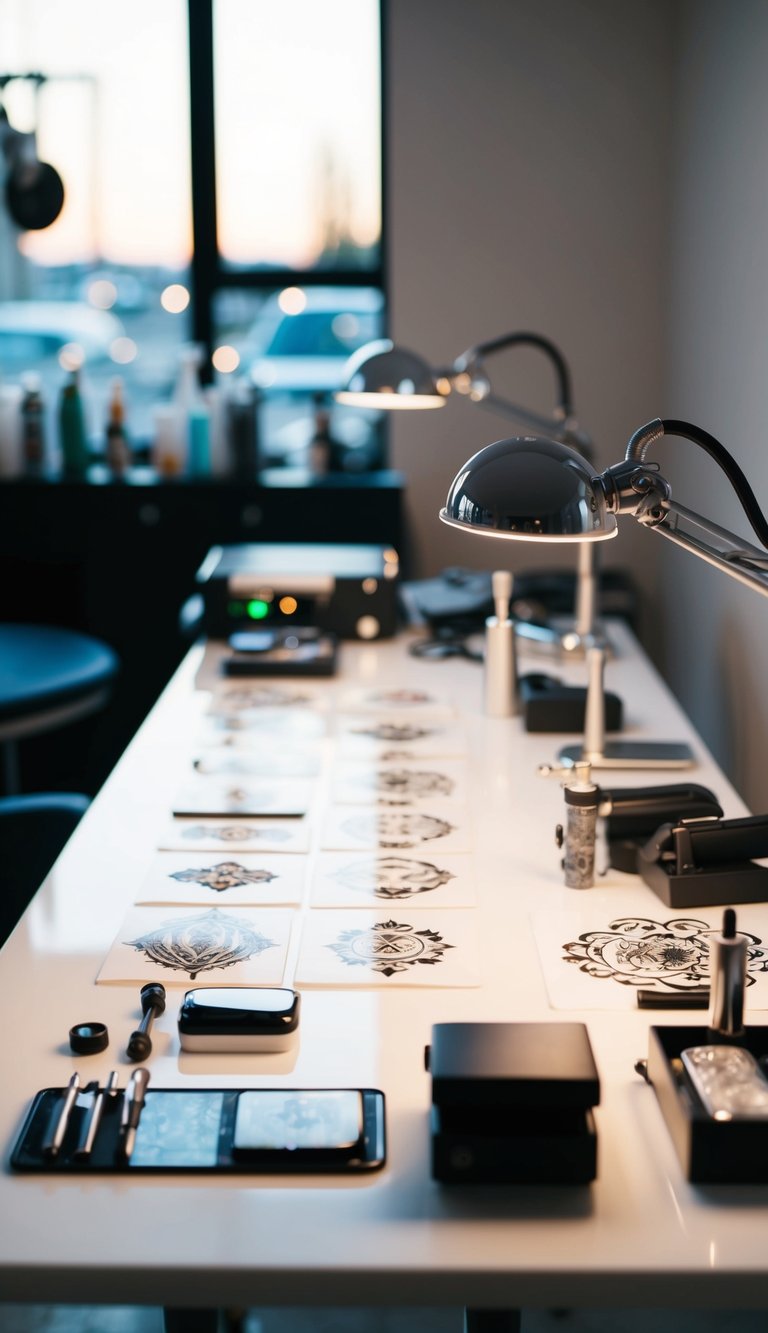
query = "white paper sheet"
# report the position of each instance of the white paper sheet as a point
(235, 835)
(393, 880)
(594, 960)
(413, 702)
(215, 946)
(432, 780)
(224, 879)
(210, 797)
(445, 827)
(390, 949)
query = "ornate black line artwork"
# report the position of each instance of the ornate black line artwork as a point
(388, 947)
(201, 943)
(224, 875)
(234, 833)
(398, 786)
(263, 696)
(636, 951)
(396, 828)
(396, 698)
(392, 876)
(393, 731)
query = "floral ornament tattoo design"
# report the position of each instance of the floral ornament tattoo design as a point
(202, 942)
(389, 947)
(225, 875)
(637, 951)
(396, 732)
(396, 828)
(392, 876)
(235, 833)
(399, 786)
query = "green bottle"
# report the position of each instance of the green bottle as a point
(74, 450)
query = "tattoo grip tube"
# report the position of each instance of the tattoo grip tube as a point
(580, 835)
(728, 979)
(501, 696)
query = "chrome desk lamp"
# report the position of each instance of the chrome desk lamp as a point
(386, 376)
(536, 489)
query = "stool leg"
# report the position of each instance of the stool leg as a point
(11, 780)
(492, 1321)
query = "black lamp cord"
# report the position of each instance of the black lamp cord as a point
(475, 354)
(645, 436)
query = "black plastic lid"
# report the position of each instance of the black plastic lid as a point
(88, 1038)
(513, 1064)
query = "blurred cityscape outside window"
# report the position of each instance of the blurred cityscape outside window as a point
(295, 278)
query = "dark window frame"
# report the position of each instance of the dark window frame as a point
(208, 274)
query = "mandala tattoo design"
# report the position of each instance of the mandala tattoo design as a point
(202, 942)
(393, 731)
(392, 876)
(394, 698)
(234, 833)
(264, 696)
(636, 951)
(388, 947)
(398, 786)
(225, 875)
(396, 828)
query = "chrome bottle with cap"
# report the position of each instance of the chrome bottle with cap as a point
(579, 837)
(727, 978)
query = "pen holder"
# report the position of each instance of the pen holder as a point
(710, 1151)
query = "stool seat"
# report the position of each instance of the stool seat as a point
(50, 676)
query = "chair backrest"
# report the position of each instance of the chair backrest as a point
(33, 830)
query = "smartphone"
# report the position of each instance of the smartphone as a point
(294, 1128)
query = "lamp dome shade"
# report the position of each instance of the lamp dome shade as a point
(529, 489)
(382, 375)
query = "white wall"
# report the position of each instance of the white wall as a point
(528, 174)
(716, 632)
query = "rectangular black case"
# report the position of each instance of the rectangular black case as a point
(512, 1103)
(710, 1151)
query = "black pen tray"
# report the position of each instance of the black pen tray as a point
(191, 1133)
(710, 1151)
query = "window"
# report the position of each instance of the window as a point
(273, 167)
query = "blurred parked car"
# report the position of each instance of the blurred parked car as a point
(306, 352)
(32, 334)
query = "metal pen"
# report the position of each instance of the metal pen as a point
(85, 1148)
(53, 1146)
(133, 1104)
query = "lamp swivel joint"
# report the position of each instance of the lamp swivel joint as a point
(638, 489)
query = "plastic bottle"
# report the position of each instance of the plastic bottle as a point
(74, 448)
(32, 426)
(118, 447)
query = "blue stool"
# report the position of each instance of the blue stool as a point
(33, 830)
(48, 678)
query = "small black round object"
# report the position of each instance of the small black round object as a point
(139, 1046)
(88, 1038)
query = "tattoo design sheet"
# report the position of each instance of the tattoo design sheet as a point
(215, 946)
(235, 835)
(391, 739)
(390, 948)
(210, 797)
(445, 827)
(256, 698)
(598, 961)
(230, 763)
(263, 730)
(224, 879)
(403, 700)
(432, 781)
(398, 879)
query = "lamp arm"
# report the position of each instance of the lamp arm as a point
(740, 560)
(643, 438)
(474, 355)
(553, 428)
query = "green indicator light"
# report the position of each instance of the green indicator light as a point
(236, 609)
(257, 609)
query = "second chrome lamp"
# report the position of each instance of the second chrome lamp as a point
(384, 375)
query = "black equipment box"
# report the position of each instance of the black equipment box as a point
(349, 591)
(511, 1103)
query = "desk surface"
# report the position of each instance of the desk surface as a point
(640, 1235)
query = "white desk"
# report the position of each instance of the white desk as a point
(641, 1235)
